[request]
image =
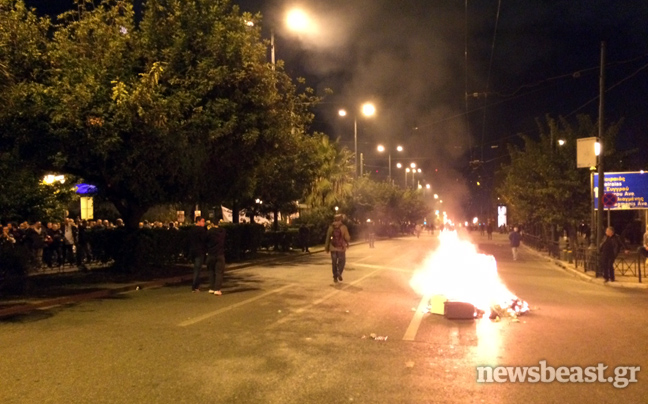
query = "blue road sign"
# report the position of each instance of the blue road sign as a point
(631, 189)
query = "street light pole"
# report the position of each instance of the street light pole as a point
(601, 170)
(272, 49)
(367, 110)
(355, 144)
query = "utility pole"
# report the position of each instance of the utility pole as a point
(601, 170)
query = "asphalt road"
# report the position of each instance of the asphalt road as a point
(284, 333)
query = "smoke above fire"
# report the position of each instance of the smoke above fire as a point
(457, 271)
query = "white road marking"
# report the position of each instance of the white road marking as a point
(326, 297)
(412, 329)
(233, 306)
(354, 264)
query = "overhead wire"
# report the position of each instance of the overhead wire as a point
(488, 76)
(514, 95)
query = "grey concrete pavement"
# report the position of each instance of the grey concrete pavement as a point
(284, 333)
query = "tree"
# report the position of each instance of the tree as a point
(284, 178)
(181, 106)
(541, 184)
(334, 179)
(24, 195)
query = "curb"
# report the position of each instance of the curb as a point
(109, 291)
(588, 278)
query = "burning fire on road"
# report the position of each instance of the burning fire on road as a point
(461, 281)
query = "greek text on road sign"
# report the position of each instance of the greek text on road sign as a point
(631, 190)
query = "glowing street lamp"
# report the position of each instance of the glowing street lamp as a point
(297, 21)
(368, 110)
(381, 149)
(414, 171)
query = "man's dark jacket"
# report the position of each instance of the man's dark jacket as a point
(198, 241)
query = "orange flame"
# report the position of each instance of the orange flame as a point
(457, 271)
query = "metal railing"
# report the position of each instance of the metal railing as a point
(586, 258)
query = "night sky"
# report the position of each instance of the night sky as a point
(407, 57)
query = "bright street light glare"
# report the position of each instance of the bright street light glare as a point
(597, 148)
(368, 109)
(436, 196)
(561, 142)
(427, 186)
(399, 148)
(381, 148)
(407, 169)
(399, 165)
(297, 20)
(413, 165)
(342, 112)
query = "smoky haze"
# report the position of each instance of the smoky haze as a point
(406, 57)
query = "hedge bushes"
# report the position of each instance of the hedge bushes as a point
(14, 261)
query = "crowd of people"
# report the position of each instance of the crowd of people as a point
(56, 244)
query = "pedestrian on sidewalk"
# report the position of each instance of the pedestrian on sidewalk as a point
(371, 229)
(515, 238)
(609, 248)
(304, 237)
(197, 250)
(215, 258)
(337, 242)
(489, 230)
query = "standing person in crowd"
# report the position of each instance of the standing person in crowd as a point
(643, 250)
(304, 236)
(56, 245)
(337, 242)
(197, 250)
(70, 234)
(515, 239)
(489, 230)
(48, 252)
(35, 241)
(7, 238)
(609, 248)
(215, 258)
(83, 246)
(417, 230)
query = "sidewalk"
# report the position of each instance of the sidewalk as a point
(622, 281)
(77, 290)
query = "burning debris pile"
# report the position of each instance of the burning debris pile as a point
(464, 284)
(510, 309)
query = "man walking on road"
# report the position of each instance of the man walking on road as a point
(609, 249)
(337, 241)
(197, 250)
(515, 238)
